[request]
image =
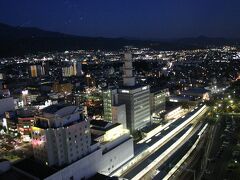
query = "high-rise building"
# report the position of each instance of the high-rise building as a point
(135, 97)
(73, 68)
(79, 68)
(68, 70)
(130, 104)
(137, 104)
(109, 99)
(58, 141)
(45, 67)
(37, 70)
(158, 101)
(33, 69)
(60, 135)
(128, 78)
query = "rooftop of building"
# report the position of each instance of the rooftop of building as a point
(196, 91)
(54, 108)
(25, 113)
(102, 125)
(132, 87)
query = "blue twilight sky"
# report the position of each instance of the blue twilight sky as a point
(127, 18)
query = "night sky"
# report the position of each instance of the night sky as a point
(127, 18)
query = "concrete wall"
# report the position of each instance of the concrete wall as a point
(119, 115)
(97, 162)
(83, 168)
(116, 157)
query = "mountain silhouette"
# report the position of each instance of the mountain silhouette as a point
(19, 41)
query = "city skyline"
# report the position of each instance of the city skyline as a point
(133, 90)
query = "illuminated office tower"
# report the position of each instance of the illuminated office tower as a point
(74, 66)
(71, 68)
(136, 98)
(158, 101)
(45, 67)
(79, 68)
(33, 69)
(37, 70)
(109, 99)
(1, 76)
(40, 70)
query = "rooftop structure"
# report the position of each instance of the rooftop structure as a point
(128, 78)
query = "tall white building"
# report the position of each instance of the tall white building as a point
(137, 102)
(128, 78)
(74, 68)
(130, 104)
(60, 135)
(136, 98)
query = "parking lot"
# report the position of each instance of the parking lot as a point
(224, 157)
